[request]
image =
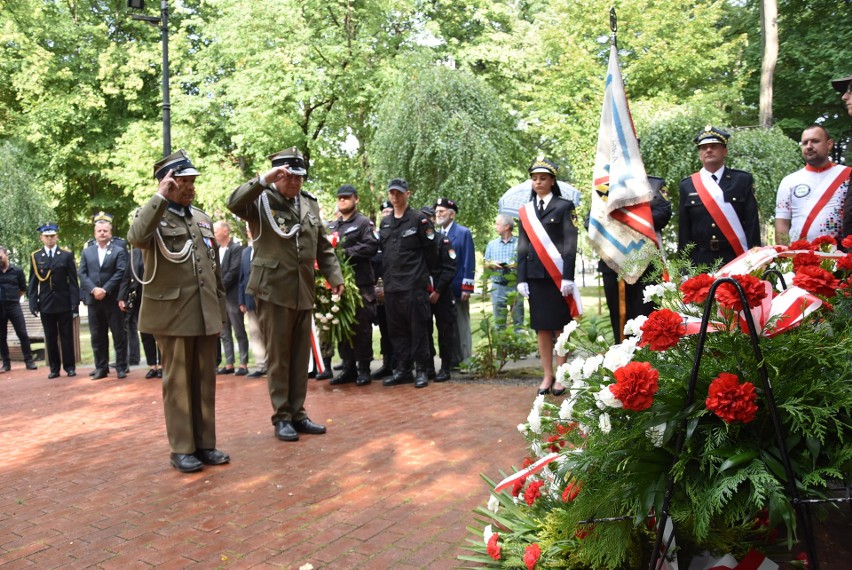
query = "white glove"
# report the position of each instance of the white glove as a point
(566, 288)
(524, 290)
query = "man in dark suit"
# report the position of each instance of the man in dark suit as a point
(54, 293)
(717, 210)
(102, 268)
(230, 254)
(249, 308)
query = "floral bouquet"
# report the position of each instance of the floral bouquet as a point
(335, 315)
(600, 462)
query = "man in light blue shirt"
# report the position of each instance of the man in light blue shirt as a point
(501, 258)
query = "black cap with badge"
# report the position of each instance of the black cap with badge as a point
(398, 184)
(48, 229)
(292, 158)
(447, 203)
(711, 135)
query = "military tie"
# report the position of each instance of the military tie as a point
(713, 176)
(540, 207)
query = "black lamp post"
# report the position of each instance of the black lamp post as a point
(163, 22)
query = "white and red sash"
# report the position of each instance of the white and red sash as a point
(548, 254)
(722, 212)
(836, 176)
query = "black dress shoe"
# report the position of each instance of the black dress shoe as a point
(430, 373)
(383, 372)
(241, 371)
(225, 371)
(160, 373)
(8, 367)
(92, 373)
(442, 376)
(307, 426)
(212, 456)
(150, 374)
(421, 380)
(71, 373)
(99, 374)
(122, 374)
(325, 375)
(399, 377)
(285, 431)
(363, 379)
(256, 374)
(53, 375)
(348, 375)
(186, 463)
(30, 365)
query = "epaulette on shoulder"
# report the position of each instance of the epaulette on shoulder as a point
(307, 194)
(65, 249)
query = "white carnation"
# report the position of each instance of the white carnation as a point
(534, 420)
(522, 428)
(619, 355)
(493, 504)
(562, 375)
(486, 535)
(575, 370)
(633, 327)
(606, 399)
(592, 365)
(562, 347)
(538, 403)
(335, 298)
(335, 309)
(335, 321)
(566, 410)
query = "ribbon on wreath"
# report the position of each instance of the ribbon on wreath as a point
(531, 470)
(753, 560)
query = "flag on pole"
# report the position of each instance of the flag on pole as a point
(620, 222)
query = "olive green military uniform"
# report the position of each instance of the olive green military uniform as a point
(183, 306)
(282, 282)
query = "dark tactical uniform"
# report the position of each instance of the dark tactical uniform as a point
(183, 306)
(408, 253)
(12, 283)
(697, 226)
(54, 293)
(282, 282)
(444, 309)
(359, 242)
(385, 344)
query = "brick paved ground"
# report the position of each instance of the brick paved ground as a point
(85, 479)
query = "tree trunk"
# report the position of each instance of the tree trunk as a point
(769, 34)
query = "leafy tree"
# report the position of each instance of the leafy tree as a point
(446, 133)
(24, 206)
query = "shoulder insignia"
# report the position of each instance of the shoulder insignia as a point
(307, 194)
(452, 254)
(430, 233)
(204, 225)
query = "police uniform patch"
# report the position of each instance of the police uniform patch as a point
(430, 233)
(801, 190)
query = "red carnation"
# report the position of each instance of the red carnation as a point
(571, 491)
(816, 280)
(531, 555)
(847, 243)
(824, 240)
(662, 329)
(527, 462)
(730, 400)
(696, 288)
(754, 290)
(493, 548)
(533, 492)
(635, 385)
(801, 244)
(555, 443)
(803, 259)
(519, 484)
(585, 531)
(845, 262)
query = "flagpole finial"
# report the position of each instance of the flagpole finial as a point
(613, 20)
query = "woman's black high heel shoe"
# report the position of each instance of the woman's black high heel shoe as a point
(556, 392)
(545, 391)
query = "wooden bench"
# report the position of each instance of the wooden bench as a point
(34, 330)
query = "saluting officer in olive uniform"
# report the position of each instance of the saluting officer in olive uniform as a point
(443, 302)
(183, 306)
(696, 224)
(357, 237)
(409, 254)
(289, 236)
(54, 293)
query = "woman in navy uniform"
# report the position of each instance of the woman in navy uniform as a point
(549, 311)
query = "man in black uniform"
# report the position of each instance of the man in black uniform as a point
(355, 234)
(409, 253)
(102, 268)
(385, 344)
(54, 293)
(12, 286)
(717, 211)
(443, 303)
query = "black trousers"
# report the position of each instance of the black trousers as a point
(444, 312)
(105, 317)
(633, 295)
(11, 311)
(59, 340)
(152, 351)
(361, 347)
(408, 315)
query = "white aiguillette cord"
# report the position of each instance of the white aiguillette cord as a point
(175, 257)
(264, 207)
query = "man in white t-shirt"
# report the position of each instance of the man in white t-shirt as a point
(809, 202)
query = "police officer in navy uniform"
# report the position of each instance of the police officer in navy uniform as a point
(183, 306)
(54, 293)
(443, 303)
(385, 344)
(356, 235)
(409, 254)
(696, 225)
